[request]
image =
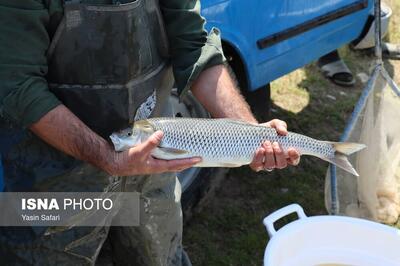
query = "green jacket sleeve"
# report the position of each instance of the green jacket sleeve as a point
(191, 48)
(24, 93)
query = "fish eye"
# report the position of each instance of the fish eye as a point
(129, 134)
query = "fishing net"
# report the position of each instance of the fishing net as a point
(375, 194)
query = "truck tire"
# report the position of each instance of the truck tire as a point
(260, 99)
(260, 102)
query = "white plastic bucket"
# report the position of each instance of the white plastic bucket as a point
(330, 240)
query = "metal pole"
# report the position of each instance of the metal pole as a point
(378, 32)
(334, 209)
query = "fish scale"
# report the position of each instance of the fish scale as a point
(229, 139)
(226, 142)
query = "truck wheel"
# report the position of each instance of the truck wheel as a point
(197, 183)
(259, 100)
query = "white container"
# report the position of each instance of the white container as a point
(330, 240)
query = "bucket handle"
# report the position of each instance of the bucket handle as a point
(279, 214)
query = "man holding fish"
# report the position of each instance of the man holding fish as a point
(73, 72)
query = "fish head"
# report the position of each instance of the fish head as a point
(143, 129)
(131, 137)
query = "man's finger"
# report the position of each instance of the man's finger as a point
(281, 130)
(257, 163)
(161, 166)
(269, 161)
(179, 165)
(280, 158)
(151, 143)
(279, 125)
(294, 157)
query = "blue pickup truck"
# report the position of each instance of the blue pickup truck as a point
(268, 39)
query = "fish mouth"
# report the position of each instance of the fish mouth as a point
(118, 142)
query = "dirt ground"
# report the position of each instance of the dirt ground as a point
(228, 229)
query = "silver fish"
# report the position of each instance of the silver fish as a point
(226, 142)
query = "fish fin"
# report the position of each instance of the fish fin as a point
(169, 153)
(342, 150)
(347, 148)
(172, 151)
(340, 160)
(239, 122)
(244, 123)
(230, 165)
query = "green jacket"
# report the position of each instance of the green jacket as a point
(26, 27)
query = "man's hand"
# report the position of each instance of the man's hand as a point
(64, 131)
(138, 160)
(271, 155)
(216, 91)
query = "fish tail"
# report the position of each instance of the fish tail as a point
(342, 150)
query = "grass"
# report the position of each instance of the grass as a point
(229, 230)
